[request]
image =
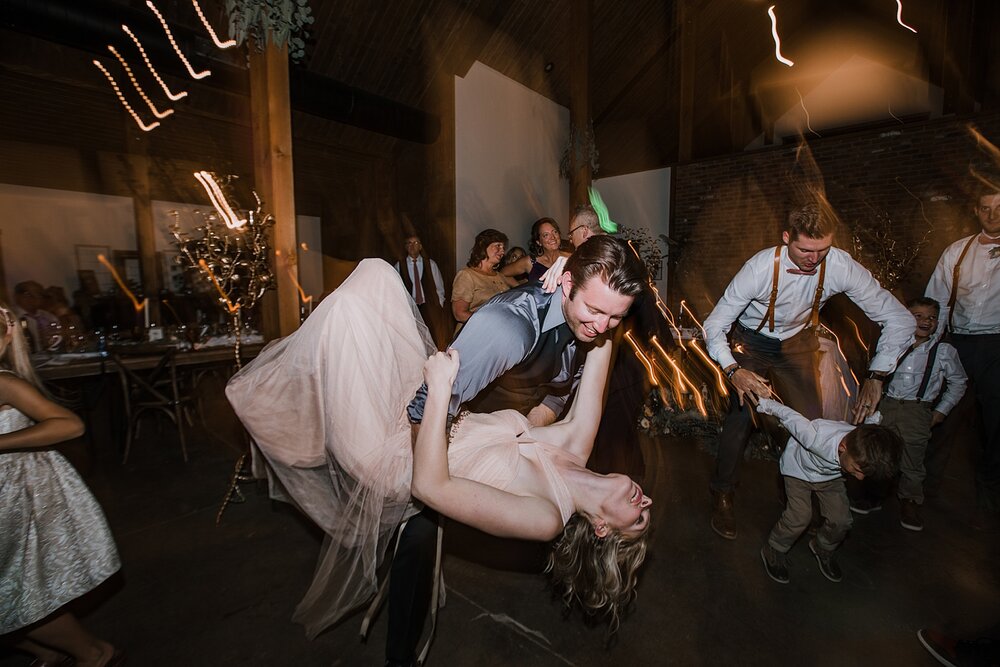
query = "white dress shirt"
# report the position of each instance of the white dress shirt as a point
(747, 297)
(905, 382)
(435, 274)
(811, 453)
(977, 304)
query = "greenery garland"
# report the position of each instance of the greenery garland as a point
(278, 22)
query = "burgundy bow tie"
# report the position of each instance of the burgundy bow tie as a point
(986, 240)
(800, 272)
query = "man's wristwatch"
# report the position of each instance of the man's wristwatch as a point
(731, 371)
(877, 375)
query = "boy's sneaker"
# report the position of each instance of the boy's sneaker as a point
(909, 515)
(865, 506)
(827, 565)
(775, 563)
(955, 653)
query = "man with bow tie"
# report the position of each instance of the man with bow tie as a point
(967, 279)
(772, 306)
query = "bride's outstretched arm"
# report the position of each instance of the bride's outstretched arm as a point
(484, 507)
(578, 429)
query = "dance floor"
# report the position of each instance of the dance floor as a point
(191, 593)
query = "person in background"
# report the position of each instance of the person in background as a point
(479, 281)
(966, 282)
(29, 297)
(513, 256)
(772, 307)
(55, 544)
(426, 288)
(545, 248)
(911, 406)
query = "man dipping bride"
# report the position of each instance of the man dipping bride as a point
(330, 408)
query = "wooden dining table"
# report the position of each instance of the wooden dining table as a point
(136, 357)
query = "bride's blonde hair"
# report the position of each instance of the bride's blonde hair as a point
(14, 353)
(599, 573)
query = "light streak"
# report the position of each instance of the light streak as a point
(208, 27)
(802, 103)
(720, 383)
(290, 267)
(857, 334)
(177, 49)
(695, 392)
(777, 40)
(138, 305)
(894, 115)
(984, 143)
(138, 88)
(219, 200)
(684, 307)
(899, 16)
(642, 357)
(121, 98)
(174, 97)
(836, 339)
(664, 311)
(229, 304)
(172, 311)
(677, 385)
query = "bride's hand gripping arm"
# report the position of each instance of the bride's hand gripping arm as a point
(484, 507)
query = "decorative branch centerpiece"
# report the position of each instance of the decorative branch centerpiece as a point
(231, 252)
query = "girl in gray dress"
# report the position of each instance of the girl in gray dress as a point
(55, 544)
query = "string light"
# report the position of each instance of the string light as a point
(156, 75)
(138, 305)
(219, 200)
(128, 107)
(802, 103)
(208, 270)
(899, 16)
(177, 50)
(204, 22)
(777, 40)
(138, 88)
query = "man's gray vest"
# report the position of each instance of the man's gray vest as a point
(525, 385)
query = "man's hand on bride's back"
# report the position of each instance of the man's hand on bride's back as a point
(441, 369)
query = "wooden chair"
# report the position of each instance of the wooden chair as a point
(155, 390)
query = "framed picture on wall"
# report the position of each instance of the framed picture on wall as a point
(171, 272)
(86, 260)
(129, 267)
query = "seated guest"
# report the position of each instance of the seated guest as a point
(479, 281)
(29, 297)
(514, 255)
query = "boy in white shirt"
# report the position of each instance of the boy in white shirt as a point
(817, 455)
(908, 406)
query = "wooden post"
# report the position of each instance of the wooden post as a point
(271, 120)
(580, 175)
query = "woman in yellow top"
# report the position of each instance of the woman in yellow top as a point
(479, 281)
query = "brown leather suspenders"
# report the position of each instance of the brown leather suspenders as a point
(814, 316)
(954, 279)
(769, 316)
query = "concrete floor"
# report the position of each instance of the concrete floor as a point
(191, 593)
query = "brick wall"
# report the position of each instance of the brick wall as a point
(902, 187)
